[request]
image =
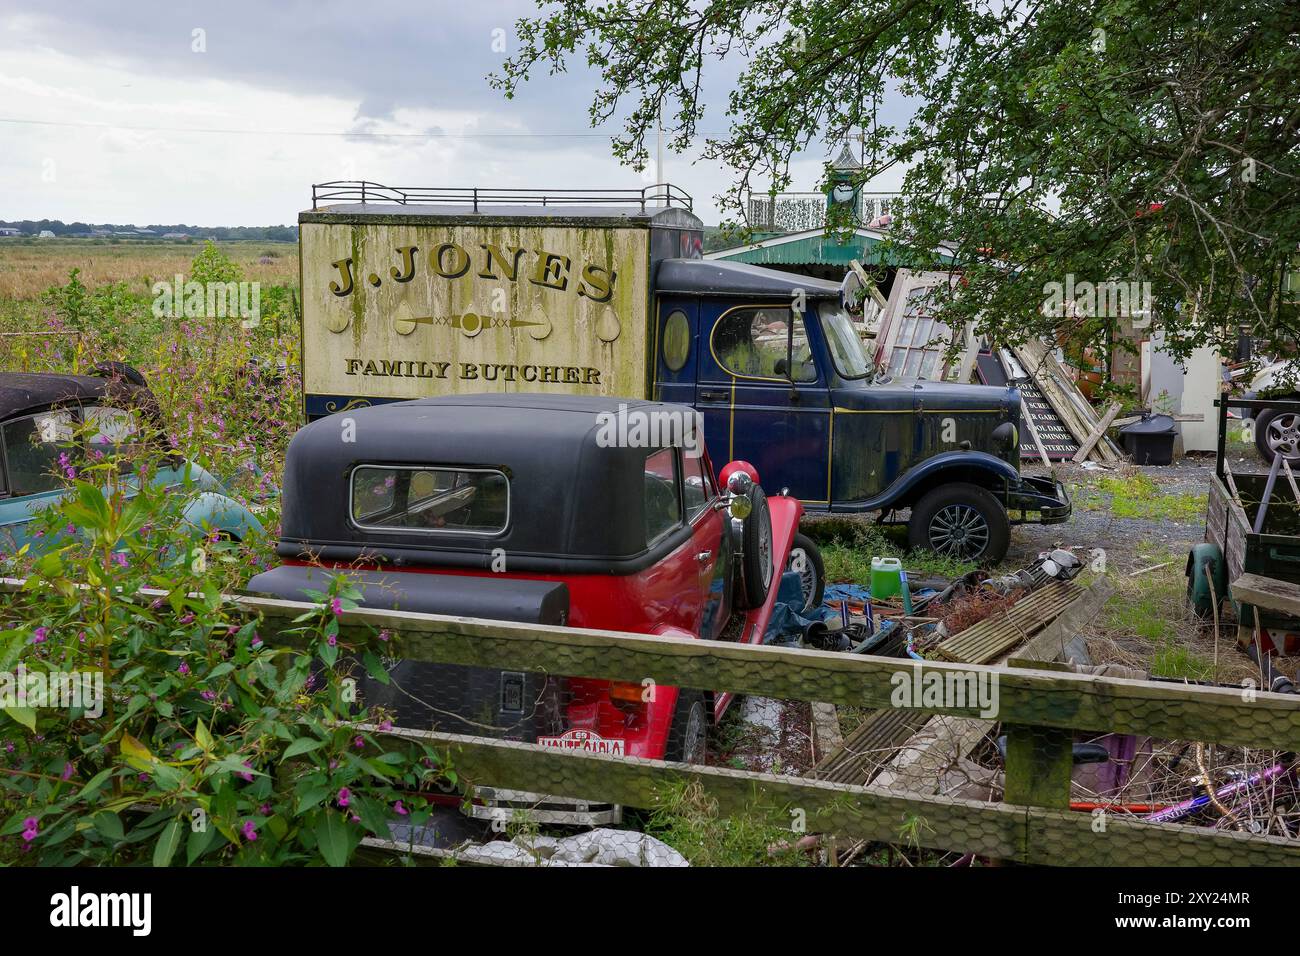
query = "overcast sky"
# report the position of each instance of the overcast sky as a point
(110, 96)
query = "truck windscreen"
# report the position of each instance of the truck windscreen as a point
(843, 342)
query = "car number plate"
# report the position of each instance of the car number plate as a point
(585, 741)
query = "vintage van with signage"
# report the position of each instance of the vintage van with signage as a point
(410, 293)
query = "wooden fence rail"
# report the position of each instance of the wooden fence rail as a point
(1036, 698)
(1039, 707)
(1028, 702)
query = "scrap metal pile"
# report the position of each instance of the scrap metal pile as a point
(1034, 618)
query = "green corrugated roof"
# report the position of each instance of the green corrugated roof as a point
(814, 250)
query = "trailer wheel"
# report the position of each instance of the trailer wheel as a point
(756, 552)
(961, 521)
(688, 735)
(806, 561)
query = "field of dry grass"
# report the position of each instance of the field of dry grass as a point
(29, 267)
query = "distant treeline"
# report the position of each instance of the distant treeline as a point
(178, 231)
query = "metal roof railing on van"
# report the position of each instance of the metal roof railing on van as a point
(363, 191)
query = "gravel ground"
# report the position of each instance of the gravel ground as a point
(1128, 542)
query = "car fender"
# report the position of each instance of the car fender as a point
(999, 474)
(217, 512)
(785, 512)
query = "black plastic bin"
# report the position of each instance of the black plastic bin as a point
(1150, 441)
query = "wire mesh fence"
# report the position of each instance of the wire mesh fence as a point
(568, 746)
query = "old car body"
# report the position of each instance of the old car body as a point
(413, 292)
(530, 508)
(41, 414)
(819, 422)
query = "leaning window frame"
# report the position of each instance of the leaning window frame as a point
(352, 476)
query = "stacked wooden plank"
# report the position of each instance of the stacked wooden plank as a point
(871, 746)
(878, 739)
(1079, 418)
(992, 637)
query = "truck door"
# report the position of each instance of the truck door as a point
(676, 349)
(763, 397)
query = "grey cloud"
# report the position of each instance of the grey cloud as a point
(387, 55)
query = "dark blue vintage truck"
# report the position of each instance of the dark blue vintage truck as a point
(409, 293)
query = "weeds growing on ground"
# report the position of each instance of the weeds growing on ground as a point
(1139, 496)
(688, 820)
(849, 544)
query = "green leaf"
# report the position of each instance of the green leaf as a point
(24, 715)
(137, 754)
(221, 670)
(301, 746)
(92, 499)
(375, 667)
(333, 839)
(199, 842)
(97, 781)
(329, 653)
(277, 826)
(168, 841)
(373, 815)
(109, 825)
(50, 565)
(11, 647)
(311, 798)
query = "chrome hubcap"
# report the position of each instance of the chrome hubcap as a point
(1283, 435)
(959, 531)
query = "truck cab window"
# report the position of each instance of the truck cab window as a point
(843, 342)
(758, 343)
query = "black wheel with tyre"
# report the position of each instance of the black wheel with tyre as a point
(961, 521)
(756, 552)
(1277, 431)
(806, 561)
(688, 735)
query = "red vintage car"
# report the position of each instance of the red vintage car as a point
(563, 510)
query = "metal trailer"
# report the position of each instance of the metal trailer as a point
(1258, 570)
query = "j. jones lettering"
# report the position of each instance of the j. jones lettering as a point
(547, 270)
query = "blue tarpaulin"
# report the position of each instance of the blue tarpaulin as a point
(788, 623)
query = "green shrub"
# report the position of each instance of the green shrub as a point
(209, 744)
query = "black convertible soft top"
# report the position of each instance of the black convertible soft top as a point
(575, 505)
(27, 392)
